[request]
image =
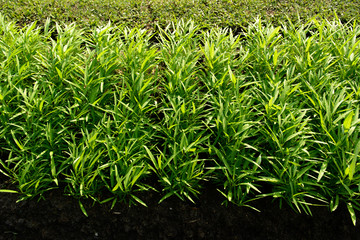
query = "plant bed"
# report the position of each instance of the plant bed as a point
(111, 116)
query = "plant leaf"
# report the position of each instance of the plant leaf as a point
(347, 121)
(322, 171)
(8, 191)
(334, 204)
(183, 108)
(83, 209)
(352, 212)
(352, 168)
(138, 200)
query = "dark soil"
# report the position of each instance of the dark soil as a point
(60, 217)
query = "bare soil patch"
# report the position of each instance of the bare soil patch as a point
(59, 217)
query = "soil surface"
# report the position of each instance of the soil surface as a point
(60, 217)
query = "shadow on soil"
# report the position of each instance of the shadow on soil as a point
(59, 217)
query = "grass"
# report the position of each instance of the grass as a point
(271, 112)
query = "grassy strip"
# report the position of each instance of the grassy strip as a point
(141, 13)
(273, 113)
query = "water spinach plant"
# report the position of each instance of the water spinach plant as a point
(273, 112)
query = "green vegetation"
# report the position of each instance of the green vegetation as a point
(109, 111)
(148, 13)
(271, 111)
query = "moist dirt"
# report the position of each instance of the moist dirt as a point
(60, 217)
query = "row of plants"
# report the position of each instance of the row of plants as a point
(149, 13)
(271, 113)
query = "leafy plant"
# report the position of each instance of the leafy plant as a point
(109, 112)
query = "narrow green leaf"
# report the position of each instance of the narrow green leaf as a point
(59, 73)
(166, 196)
(308, 44)
(352, 168)
(136, 177)
(16, 141)
(83, 209)
(347, 121)
(8, 191)
(93, 137)
(138, 200)
(113, 203)
(53, 167)
(275, 57)
(334, 203)
(41, 105)
(232, 76)
(229, 196)
(183, 108)
(322, 171)
(106, 200)
(152, 158)
(165, 179)
(347, 170)
(145, 85)
(273, 34)
(352, 212)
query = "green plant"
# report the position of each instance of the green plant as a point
(107, 113)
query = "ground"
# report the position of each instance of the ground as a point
(60, 217)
